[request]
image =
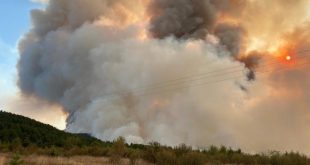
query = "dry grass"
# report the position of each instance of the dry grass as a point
(3, 159)
(75, 160)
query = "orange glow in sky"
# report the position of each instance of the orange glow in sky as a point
(288, 58)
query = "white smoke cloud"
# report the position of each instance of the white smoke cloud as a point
(161, 114)
(79, 68)
(103, 73)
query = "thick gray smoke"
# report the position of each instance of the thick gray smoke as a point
(231, 37)
(195, 19)
(97, 72)
(92, 58)
(181, 18)
(191, 18)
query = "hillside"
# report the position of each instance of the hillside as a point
(19, 129)
(28, 137)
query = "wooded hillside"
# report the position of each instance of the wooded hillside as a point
(25, 136)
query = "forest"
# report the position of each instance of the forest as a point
(23, 136)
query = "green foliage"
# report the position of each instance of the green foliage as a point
(26, 136)
(194, 158)
(16, 160)
(150, 152)
(166, 157)
(133, 155)
(54, 151)
(16, 144)
(20, 132)
(118, 150)
(182, 149)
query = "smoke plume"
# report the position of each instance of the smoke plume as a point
(165, 70)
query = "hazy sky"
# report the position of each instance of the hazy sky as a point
(16, 21)
(15, 15)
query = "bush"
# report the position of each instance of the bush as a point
(118, 150)
(53, 151)
(97, 151)
(133, 155)
(16, 160)
(16, 145)
(4, 147)
(150, 152)
(166, 157)
(182, 149)
(213, 150)
(193, 158)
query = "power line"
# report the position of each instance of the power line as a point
(215, 82)
(229, 78)
(212, 74)
(202, 75)
(207, 82)
(220, 70)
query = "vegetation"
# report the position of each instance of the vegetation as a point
(17, 131)
(22, 135)
(16, 160)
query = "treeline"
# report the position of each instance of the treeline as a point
(20, 130)
(164, 155)
(22, 135)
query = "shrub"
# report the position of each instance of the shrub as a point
(4, 147)
(53, 151)
(133, 155)
(193, 158)
(182, 149)
(213, 150)
(166, 157)
(118, 150)
(16, 160)
(16, 145)
(150, 152)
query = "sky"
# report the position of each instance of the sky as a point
(15, 15)
(77, 57)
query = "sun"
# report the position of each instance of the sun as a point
(288, 58)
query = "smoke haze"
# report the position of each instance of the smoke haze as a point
(130, 68)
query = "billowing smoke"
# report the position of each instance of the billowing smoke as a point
(230, 36)
(173, 71)
(195, 19)
(181, 18)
